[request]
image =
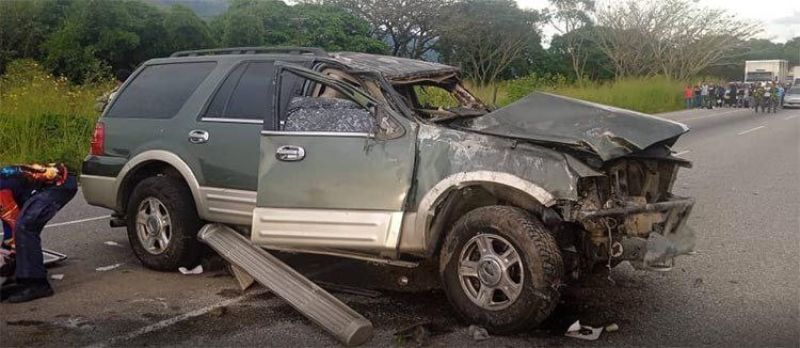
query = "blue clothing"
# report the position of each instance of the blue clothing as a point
(36, 211)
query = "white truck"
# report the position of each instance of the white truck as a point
(766, 70)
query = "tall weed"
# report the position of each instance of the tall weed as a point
(44, 118)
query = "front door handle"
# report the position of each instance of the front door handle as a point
(290, 153)
(198, 136)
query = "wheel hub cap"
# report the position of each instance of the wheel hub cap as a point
(153, 225)
(489, 272)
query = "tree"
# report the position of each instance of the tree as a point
(407, 26)
(185, 30)
(25, 25)
(568, 17)
(594, 64)
(675, 38)
(486, 37)
(101, 35)
(273, 23)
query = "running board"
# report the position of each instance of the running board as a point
(308, 298)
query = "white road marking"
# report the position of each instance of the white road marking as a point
(682, 152)
(200, 311)
(750, 130)
(174, 320)
(78, 221)
(790, 117)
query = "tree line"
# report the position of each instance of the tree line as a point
(490, 40)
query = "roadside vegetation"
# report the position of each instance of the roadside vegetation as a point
(44, 118)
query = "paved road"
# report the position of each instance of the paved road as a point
(741, 289)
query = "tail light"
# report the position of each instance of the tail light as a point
(98, 139)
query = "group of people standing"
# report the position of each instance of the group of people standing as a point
(765, 95)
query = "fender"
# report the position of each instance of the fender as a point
(173, 160)
(431, 200)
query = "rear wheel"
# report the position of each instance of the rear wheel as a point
(163, 224)
(501, 269)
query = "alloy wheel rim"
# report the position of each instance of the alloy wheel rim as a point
(153, 225)
(490, 271)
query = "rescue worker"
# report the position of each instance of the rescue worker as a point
(30, 195)
(758, 95)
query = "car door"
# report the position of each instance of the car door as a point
(329, 177)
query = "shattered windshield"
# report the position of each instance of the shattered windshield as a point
(441, 100)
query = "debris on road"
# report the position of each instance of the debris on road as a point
(112, 243)
(583, 332)
(218, 312)
(308, 298)
(612, 327)
(352, 290)
(107, 268)
(478, 333)
(196, 270)
(417, 333)
(57, 276)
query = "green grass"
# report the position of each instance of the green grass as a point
(646, 94)
(44, 118)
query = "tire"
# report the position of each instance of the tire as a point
(174, 200)
(535, 276)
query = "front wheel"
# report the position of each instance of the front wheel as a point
(163, 224)
(501, 269)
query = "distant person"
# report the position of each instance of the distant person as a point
(30, 195)
(688, 96)
(698, 101)
(781, 92)
(720, 95)
(758, 97)
(704, 90)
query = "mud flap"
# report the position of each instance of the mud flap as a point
(308, 298)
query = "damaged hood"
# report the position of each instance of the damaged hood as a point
(610, 132)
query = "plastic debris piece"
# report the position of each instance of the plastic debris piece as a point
(111, 243)
(57, 276)
(244, 279)
(196, 270)
(107, 268)
(583, 332)
(612, 327)
(478, 333)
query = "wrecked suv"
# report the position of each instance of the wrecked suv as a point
(392, 161)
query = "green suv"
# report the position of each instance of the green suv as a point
(389, 160)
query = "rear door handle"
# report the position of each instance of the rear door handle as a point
(290, 153)
(198, 136)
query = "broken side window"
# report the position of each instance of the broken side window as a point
(325, 108)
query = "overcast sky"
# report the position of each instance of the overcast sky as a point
(780, 18)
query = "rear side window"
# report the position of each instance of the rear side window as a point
(159, 91)
(245, 94)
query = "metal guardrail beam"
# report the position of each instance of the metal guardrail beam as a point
(308, 298)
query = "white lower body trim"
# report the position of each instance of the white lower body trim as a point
(372, 231)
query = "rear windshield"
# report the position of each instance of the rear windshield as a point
(159, 91)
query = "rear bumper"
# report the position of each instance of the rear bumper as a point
(99, 190)
(655, 248)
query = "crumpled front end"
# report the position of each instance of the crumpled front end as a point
(631, 215)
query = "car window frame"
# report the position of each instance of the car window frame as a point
(313, 76)
(124, 86)
(202, 117)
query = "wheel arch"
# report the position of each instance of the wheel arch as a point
(459, 193)
(154, 163)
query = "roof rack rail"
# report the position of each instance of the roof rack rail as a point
(252, 50)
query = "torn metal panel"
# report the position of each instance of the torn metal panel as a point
(610, 132)
(393, 68)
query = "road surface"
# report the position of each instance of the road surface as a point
(741, 289)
